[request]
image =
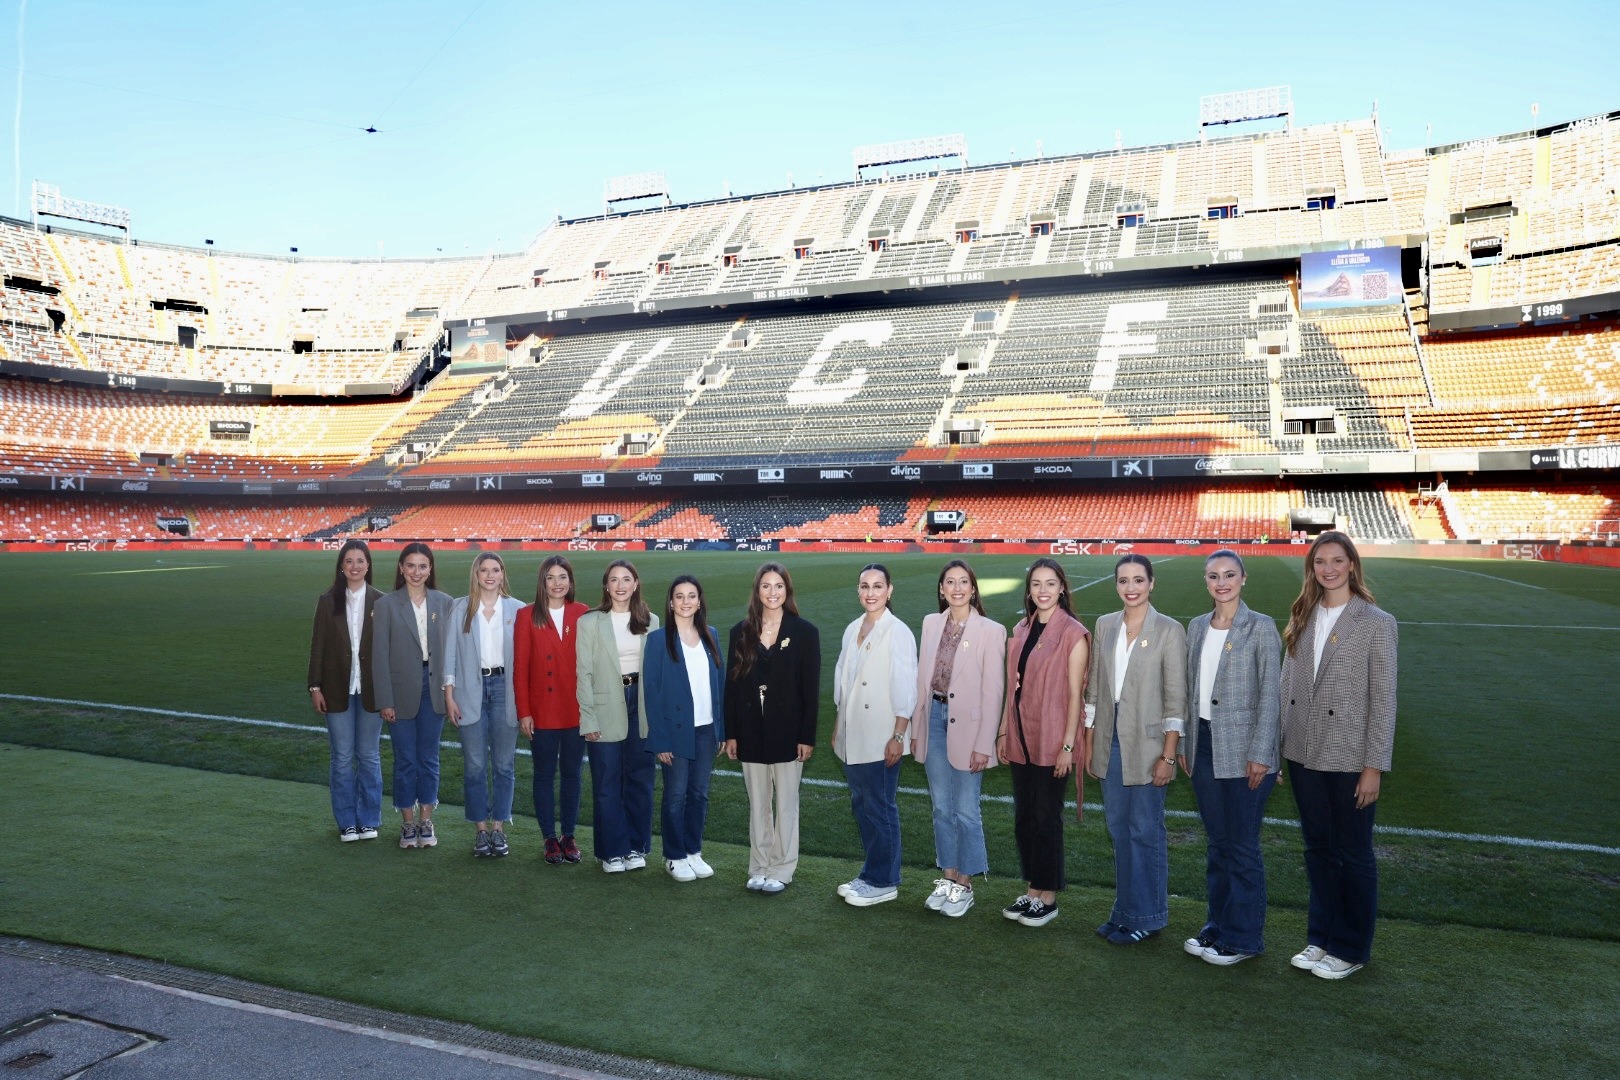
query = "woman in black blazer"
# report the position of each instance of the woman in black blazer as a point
(340, 689)
(773, 689)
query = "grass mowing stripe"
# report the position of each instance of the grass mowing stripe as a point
(152, 570)
(839, 785)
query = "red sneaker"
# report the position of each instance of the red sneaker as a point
(570, 850)
(554, 851)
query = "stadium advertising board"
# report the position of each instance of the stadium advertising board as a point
(118, 380)
(1365, 277)
(1576, 457)
(478, 341)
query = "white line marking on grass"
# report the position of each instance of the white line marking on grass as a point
(1508, 625)
(153, 570)
(1490, 577)
(816, 781)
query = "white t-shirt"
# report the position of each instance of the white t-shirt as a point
(354, 603)
(556, 614)
(1326, 619)
(491, 649)
(696, 659)
(1208, 664)
(629, 644)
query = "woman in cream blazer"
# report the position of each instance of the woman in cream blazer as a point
(1136, 707)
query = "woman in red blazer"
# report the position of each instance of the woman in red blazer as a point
(548, 711)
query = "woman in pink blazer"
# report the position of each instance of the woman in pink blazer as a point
(960, 679)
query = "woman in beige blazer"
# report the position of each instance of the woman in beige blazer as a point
(960, 678)
(1137, 707)
(611, 643)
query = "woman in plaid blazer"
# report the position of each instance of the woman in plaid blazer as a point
(1338, 730)
(1230, 752)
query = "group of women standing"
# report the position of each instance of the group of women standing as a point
(1226, 700)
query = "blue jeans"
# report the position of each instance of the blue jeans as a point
(1234, 871)
(488, 746)
(686, 797)
(557, 750)
(1135, 817)
(1339, 862)
(622, 775)
(356, 777)
(874, 794)
(958, 829)
(416, 754)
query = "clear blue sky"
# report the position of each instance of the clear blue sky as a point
(242, 122)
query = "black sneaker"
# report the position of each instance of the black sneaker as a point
(1196, 945)
(497, 843)
(481, 848)
(1016, 909)
(1039, 913)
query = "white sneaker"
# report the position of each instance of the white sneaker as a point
(699, 867)
(635, 860)
(958, 900)
(614, 865)
(771, 886)
(1331, 967)
(680, 869)
(865, 894)
(1308, 957)
(936, 899)
(755, 884)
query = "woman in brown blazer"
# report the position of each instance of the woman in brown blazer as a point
(340, 689)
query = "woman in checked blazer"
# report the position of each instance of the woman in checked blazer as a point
(1230, 751)
(1338, 734)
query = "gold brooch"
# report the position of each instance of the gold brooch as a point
(1334, 638)
(1142, 644)
(1228, 646)
(785, 642)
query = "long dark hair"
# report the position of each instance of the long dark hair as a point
(700, 621)
(1133, 559)
(640, 613)
(340, 584)
(1063, 586)
(415, 547)
(973, 579)
(742, 661)
(540, 598)
(1310, 591)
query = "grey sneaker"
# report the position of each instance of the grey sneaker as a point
(407, 834)
(958, 900)
(424, 835)
(936, 899)
(497, 843)
(481, 848)
(865, 894)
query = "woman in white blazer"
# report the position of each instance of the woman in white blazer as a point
(960, 678)
(1137, 705)
(1230, 752)
(875, 690)
(478, 659)
(612, 642)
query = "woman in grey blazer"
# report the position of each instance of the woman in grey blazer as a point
(1136, 705)
(1338, 733)
(407, 674)
(478, 660)
(1230, 752)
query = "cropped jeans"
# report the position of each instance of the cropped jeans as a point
(958, 827)
(416, 753)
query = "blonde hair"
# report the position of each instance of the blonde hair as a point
(472, 586)
(1310, 592)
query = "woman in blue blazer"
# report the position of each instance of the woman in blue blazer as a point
(683, 706)
(1234, 665)
(479, 701)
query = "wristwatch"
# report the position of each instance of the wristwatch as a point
(899, 737)
(1170, 761)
